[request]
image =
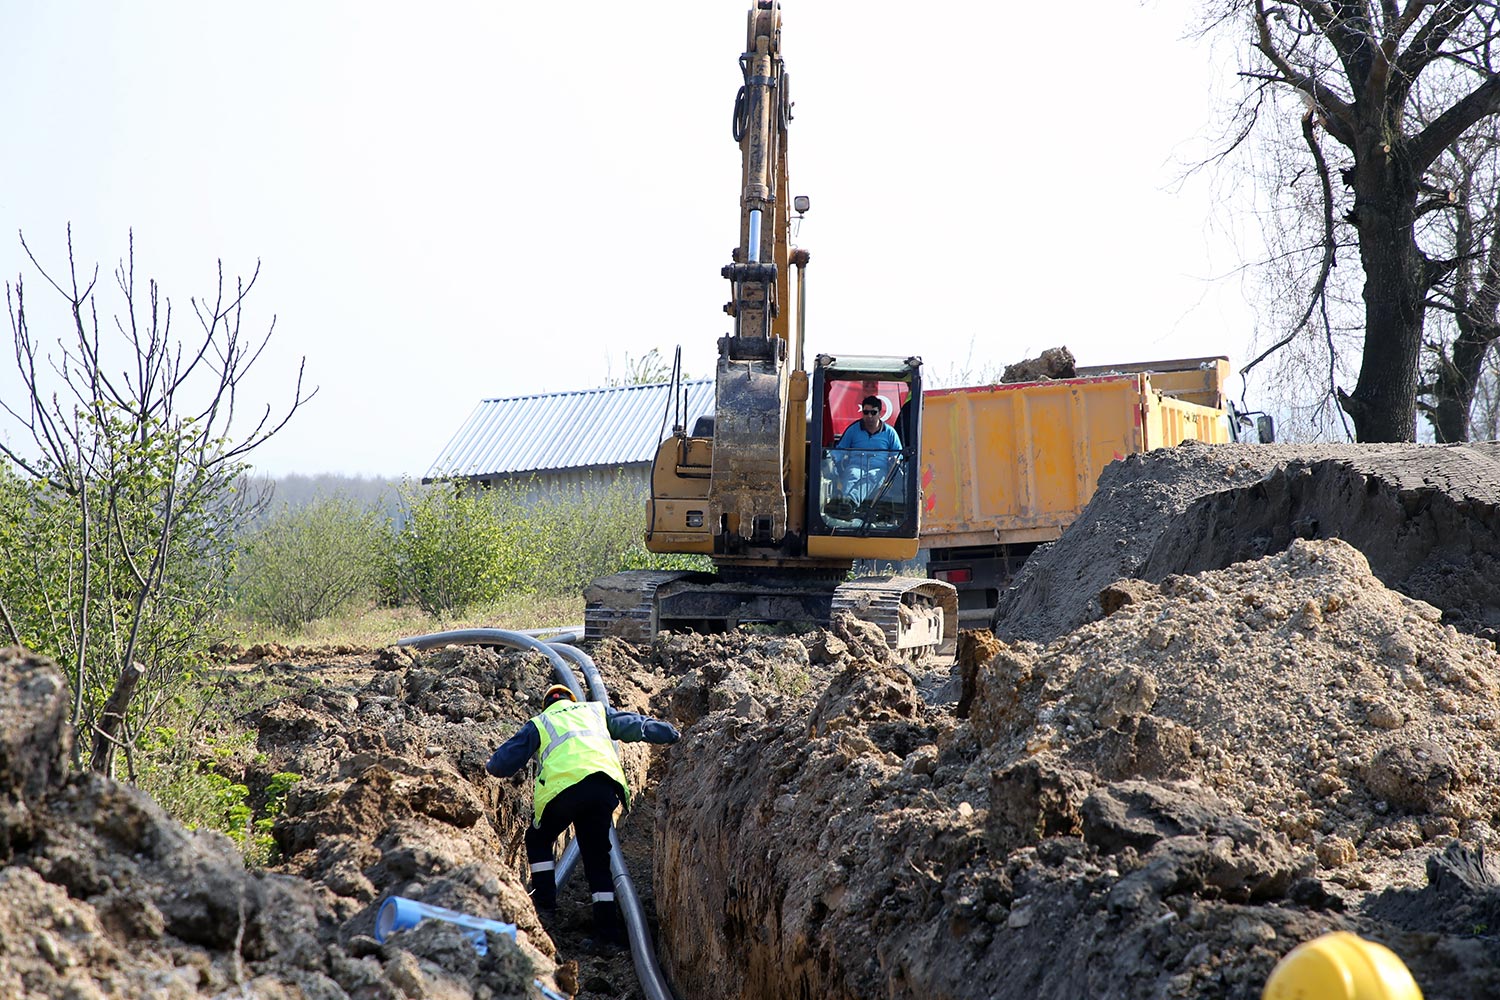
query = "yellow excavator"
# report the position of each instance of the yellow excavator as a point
(799, 474)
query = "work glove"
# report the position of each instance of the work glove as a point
(518, 779)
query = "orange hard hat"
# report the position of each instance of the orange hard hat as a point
(557, 692)
(1340, 966)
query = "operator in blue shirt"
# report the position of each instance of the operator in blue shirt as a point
(866, 440)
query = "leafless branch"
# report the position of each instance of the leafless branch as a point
(1316, 296)
(1430, 38)
(10, 623)
(1335, 108)
(1481, 102)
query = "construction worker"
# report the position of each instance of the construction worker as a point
(1340, 966)
(579, 782)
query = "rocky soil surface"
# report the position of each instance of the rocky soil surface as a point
(1427, 518)
(1158, 804)
(1251, 696)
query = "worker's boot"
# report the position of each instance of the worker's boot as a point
(608, 930)
(544, 890)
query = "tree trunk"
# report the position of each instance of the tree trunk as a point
(113, 716)
(1456, 384)
(1383, 405)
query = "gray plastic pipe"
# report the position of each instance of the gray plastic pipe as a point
(565, 645)
(498, 637)
(647, 972)
(559, 649)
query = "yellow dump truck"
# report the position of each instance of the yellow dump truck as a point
(1007, 467)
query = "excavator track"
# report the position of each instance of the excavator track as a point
(919, 617)
(623, 605)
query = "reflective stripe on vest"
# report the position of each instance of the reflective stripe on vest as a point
(575, 743)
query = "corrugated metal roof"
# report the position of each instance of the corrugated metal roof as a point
(609, 427)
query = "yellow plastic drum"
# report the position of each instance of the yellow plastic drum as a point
(1341, 966)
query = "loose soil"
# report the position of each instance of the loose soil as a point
(1250, 696)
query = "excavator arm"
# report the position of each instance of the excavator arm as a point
(760, 396)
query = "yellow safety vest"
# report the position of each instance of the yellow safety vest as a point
(575, 744)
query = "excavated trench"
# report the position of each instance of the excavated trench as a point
(1250, 696)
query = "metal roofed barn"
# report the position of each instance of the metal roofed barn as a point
(588, 437)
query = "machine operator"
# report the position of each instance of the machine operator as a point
(866, 465)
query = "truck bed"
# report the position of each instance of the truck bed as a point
(1009, 466)
(1017, 462)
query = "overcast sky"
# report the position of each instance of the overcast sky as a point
(457, 201)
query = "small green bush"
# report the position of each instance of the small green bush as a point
(577, 537)
(454, 550)
(461, 548)
(260, 848)
(187, 781)
(186, 785)
(311, 562)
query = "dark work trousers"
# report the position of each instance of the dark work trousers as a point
(588, 807)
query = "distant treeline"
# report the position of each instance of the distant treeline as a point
(295, 491)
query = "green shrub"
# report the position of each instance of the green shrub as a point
(579, 536)
(186, 785)
(188, 781)
(311, 562)
(261, 847)
(104, 572)
(460, 548)
(454, 549)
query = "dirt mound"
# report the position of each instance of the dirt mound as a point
(1295, 686)
(1426, 517)
(1159, 804)
(1054, 362)
(231, 652)
(757, 676)
(104, 895)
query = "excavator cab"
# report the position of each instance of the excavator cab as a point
(863, 481)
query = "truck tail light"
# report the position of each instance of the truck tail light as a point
(954, 575)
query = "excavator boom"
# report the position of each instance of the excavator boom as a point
(755, 429)
(779, 492)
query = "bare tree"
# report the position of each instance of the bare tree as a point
(135, 450)
(648, 369)
(1485, 419)
(1360, 71)
(1462, 324)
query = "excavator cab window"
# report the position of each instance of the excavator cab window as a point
(864, 444)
